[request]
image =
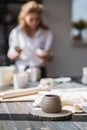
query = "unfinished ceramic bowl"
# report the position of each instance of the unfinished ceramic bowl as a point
(51, 104)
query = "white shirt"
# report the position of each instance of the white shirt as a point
(43, 39)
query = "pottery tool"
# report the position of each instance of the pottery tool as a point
(28, 98)
(22, 92)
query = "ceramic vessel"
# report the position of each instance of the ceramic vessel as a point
(51, 104)
(6, 75)
(20, 80)
(34, 74)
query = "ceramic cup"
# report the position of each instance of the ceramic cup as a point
(35, 74)
(20, 80)
(6, 74)
(51, 104)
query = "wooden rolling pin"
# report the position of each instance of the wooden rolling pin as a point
(22, 92)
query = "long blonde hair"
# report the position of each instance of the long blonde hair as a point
(30, 7)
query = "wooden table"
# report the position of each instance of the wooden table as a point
(15, 116)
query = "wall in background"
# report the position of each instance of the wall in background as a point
(68, 59)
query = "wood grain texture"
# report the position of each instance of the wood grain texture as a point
(81, 125)
(20, 114)
(7, 125)
(28, 98)
(4, 116)
(61, 126)
(37, 125)
(15, 116)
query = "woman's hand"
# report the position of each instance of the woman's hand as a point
(46, 56)
(18, 49)
(16, 54)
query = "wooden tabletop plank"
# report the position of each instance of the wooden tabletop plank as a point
(19, 112)
(15, 116)
(79, 117)
(5, 124)
(80, 120)
(37, 125)
(61, 125)
(82, 125)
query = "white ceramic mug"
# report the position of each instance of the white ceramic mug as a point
(20, 80)
(35, 74)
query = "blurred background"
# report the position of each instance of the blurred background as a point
(70, 55)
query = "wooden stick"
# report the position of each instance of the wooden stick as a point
(22, 92)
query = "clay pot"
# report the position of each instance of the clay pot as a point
(51, 104)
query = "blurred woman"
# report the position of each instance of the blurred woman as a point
(30, 43)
